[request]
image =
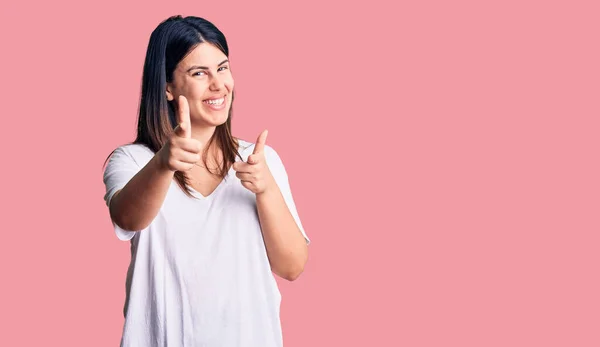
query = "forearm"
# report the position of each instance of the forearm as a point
(136, 205)
(286, 246)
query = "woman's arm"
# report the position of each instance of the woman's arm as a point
(286, 246)
(136, 205)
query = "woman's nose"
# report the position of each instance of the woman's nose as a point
(217, 83)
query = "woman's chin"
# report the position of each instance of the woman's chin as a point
(212, 120)
(220, 119)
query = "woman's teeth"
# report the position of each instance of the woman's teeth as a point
(215, 101)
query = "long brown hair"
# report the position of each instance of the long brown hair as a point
(169, 43)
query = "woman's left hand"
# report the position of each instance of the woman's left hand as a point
(255, 174)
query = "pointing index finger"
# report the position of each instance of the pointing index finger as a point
(183, 117)
(260, 142)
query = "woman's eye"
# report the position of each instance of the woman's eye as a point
(201, 73)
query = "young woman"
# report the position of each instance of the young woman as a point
(210, 217)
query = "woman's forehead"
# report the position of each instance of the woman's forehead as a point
(204, 54)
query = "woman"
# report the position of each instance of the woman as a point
(210, 217)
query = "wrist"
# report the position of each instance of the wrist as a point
(270, 189)
(160, 164)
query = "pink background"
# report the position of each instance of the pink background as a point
(443, 157)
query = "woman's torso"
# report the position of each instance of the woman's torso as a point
(200, 275)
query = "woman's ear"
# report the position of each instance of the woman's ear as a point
(170, 96)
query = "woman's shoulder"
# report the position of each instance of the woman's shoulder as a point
(137, 148)
(140, 153)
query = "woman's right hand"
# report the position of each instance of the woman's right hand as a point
(181, 151)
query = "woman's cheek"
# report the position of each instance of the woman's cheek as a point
(229, 83)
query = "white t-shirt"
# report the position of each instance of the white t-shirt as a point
(199, 274)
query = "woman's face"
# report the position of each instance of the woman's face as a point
(204, 78)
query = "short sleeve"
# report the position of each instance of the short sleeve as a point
(279, 173)
(121, 167)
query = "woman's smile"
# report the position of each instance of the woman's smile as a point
(215, 104)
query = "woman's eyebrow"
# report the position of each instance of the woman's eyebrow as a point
(204, 67)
